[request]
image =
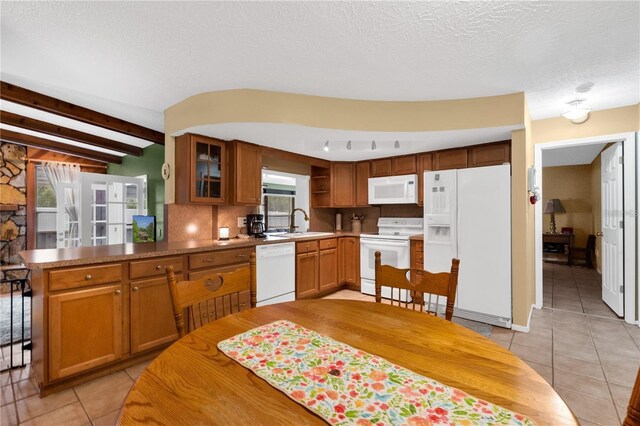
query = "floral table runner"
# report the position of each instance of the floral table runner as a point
(345, 385)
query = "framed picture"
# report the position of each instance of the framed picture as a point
(144, 229)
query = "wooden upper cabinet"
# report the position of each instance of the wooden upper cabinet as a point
(450, 159)
(320, 187)
(425, 162)
(343, 184)
(492, 154)
(363, 170)
(201, 170)
(405, 165)
(245, 164)
(381, 167)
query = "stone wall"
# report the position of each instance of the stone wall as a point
(13, 191)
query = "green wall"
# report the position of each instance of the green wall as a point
(150, 164)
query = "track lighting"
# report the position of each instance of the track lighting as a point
(373, 145)
(349, 145)
(397, 145)
(326, 146)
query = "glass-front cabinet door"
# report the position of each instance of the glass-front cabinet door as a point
(208, 170)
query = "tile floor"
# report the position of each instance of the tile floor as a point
(588, 355)
(94, 403)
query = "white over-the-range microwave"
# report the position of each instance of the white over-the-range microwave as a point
(394, 190)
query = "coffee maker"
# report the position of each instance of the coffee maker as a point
(255, 225)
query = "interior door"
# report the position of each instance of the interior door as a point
(612, 229)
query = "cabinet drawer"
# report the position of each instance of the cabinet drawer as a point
(203, 273)
(328, 244)
(64, 279)
(306, 246)
(219, 258)
(154, 267)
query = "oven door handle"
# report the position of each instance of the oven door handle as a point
(381, 244)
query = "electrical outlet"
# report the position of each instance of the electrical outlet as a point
(242, 221)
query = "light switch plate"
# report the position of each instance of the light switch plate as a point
(242, 221)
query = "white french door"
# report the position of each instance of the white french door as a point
(612, 229)
(68, 215)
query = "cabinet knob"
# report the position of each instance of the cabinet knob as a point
(134, 289)
(158, 267)
(87, 277)
(118, 292)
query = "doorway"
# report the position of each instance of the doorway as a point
(580, 219)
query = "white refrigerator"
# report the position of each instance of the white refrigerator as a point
(467, 214)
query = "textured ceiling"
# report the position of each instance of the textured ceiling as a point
(134, 59)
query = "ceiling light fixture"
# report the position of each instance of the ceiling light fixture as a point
(397, 145)
(326, 146)
(576, 113)
(373, 146)
(349, 145)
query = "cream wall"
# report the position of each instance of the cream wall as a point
(573, 187)
(249, 106)
(605, 122)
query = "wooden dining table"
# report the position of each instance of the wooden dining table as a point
(192, 382)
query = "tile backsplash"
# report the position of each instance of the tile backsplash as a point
(193, 222)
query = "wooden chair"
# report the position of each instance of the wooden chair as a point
(213, 296)
(633, 411)
(440, 284)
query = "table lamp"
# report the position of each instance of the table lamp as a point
(553, 206)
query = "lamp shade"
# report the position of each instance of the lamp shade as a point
(554, 206)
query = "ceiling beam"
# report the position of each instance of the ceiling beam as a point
(24, 139)
(26, 97)
(28, 123)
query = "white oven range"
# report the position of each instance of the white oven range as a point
(392, 241)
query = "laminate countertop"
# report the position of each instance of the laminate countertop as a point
(58, 258)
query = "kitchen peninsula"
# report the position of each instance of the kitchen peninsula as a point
(121, 291)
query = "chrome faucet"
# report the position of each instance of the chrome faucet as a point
(292, 227)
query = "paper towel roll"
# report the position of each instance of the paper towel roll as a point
(338, 221)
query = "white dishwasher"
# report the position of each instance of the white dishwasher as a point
(276, 273)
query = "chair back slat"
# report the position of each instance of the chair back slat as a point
(211, 297)
(426, 283)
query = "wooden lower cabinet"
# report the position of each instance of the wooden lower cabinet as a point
(85, 330)
(351, 259)
(152, 321)
(325, 265)
(328, 269)
(306, 275)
